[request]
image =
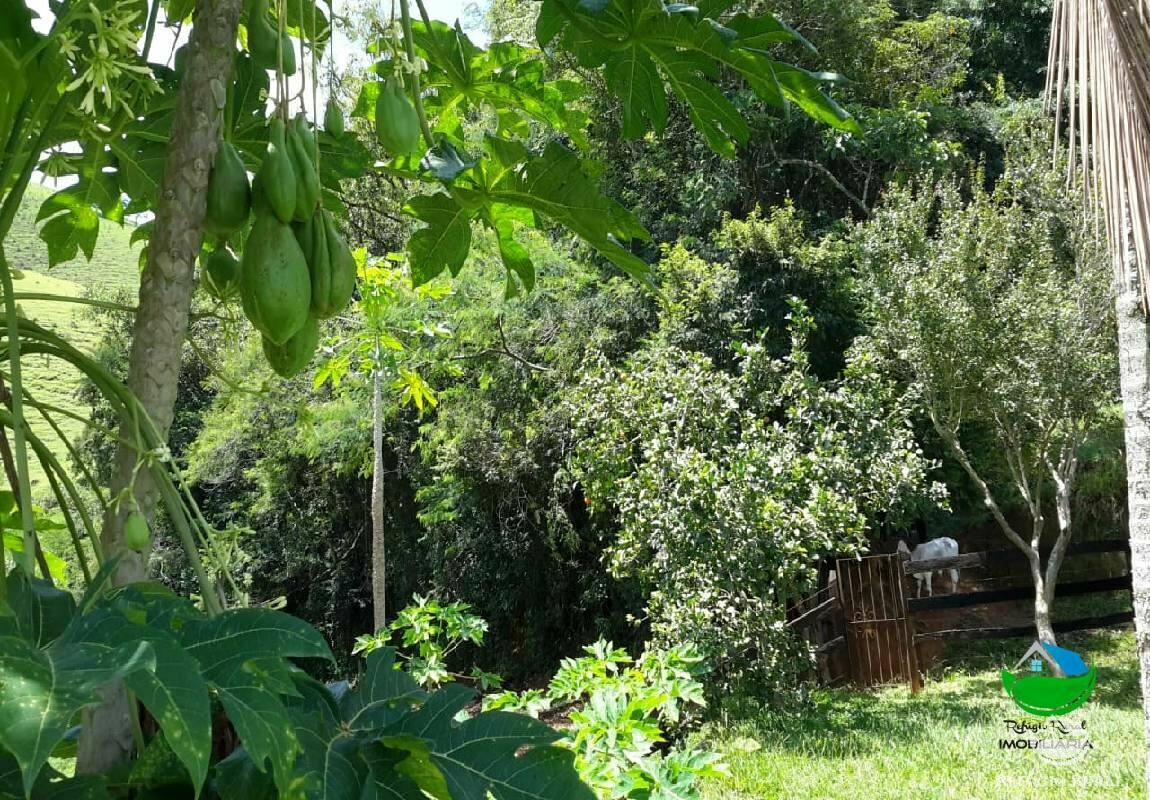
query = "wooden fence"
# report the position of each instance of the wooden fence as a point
(864, 628)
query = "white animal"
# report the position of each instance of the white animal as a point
(942, 547)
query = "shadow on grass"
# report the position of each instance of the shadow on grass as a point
(1112, 652)
(844, 723)
(962, 691)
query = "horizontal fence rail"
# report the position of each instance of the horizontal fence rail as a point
(815, 614)
(984, 596)
(1107, 621)
(988, 557)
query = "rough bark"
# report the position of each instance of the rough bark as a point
(1134, 369)
(161, 323)
(378, 543)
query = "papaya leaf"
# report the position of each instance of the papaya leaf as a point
(479, 757)
(237, 778)
(236, 652)
(50, 784)
(72, 213)
(553, 185)
(174, 692)
(502, 219)
(509, 78)
(444, 242)
(45, 689)
(41, 611)
(645, 46)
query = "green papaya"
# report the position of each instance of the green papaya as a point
(263, 38)
(306, 135)
(288, 54)
(333, 118)
(312, 240)
(342, 283)
(137, 536)
(307, 186)
(396, 123)
(229, 193)
(276, 174)
(220, 274)
(275, 288)
(290, 358)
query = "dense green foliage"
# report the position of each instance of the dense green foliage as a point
(643, 336)
(483, 499)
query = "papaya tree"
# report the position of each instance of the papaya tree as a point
(378, 349)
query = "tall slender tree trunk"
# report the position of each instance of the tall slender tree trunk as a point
(162, 319)
(1134, 368)
(378, 543)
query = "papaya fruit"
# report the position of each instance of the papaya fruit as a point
(290, 358)
(137, 536)
(229, 193)
(396, 123)
(275, 288)
(288, 53)
(342, 263)
(306, 134)
(263, 38)
(276, 174)
(333, 118)
(307, 186)
(313, 242)
(220, 274)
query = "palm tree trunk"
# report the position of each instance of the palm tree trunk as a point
(378, 551)
(166, 288)
(1134, 366)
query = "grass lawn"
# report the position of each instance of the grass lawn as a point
(942, 743)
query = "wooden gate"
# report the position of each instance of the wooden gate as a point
(879, 634)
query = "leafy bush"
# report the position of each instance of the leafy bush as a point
(726, 488)
(625, 711)
(434, 631)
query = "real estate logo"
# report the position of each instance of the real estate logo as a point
(1049, 682)
(1055, 681)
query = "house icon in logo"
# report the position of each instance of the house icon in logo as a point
(1053, 680)
(1063, 663)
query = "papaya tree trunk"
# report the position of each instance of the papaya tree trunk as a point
(378, 551)
(161, 321)
(1134, 370)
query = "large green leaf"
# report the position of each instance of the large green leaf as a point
(554, 186)
(479, 757)
(240, 653)
(173, 692)
(44, 689)
(41, 611)
(73, 213)
(389, 739)
(648, 45)
(50, 784)
(507, 77)
(444, 242)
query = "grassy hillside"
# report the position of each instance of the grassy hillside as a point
(113, 269)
